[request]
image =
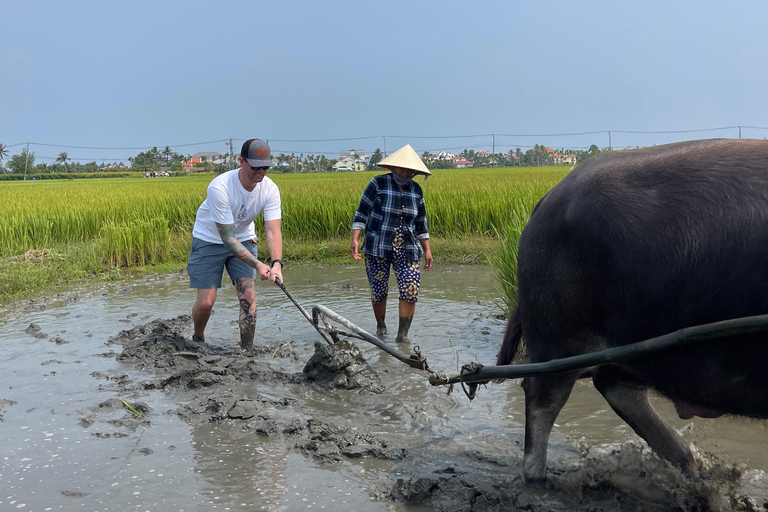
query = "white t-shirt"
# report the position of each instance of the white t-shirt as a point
(229, 203)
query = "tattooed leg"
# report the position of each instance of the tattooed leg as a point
(246, 294)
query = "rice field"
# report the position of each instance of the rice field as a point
(131, 222)
(132, 218)
(315, 206)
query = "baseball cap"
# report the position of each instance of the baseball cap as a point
(256, 153)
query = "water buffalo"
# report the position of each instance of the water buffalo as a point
(632, 245)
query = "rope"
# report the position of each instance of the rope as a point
(470, 389)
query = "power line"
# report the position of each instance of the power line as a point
(574, 134)
(122, 148)
(678, 131)
(81, 159)
(440, 136)
(468, 137)
(325, 140)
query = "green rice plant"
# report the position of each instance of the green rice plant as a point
(36, 216)
(505, 265)
(136, 242)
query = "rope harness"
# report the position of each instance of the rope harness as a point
(471, 388)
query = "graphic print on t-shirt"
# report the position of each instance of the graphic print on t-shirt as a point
(242, 213)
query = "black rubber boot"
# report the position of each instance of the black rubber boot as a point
(402, 330)
(381, 329)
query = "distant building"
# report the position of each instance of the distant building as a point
(354, 160)
(461, 162)
(200, 157)
(559, 159)
(349, 164)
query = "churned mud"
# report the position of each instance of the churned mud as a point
(221, 386)
(217, 385)
(126, 412)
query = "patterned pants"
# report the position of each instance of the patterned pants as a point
(408, 273)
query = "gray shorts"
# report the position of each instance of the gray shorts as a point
(207, 261)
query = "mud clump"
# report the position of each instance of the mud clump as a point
(623, 477)
(36, 331)
(184, 363)
(216, 408)
(135, 415)
(154, 342)
(342, 366)
(329, 442)
(631, 469)
(4, 403)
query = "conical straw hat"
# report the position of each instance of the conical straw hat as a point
(407, 158)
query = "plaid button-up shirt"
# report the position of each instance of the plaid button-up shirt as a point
(382, 208)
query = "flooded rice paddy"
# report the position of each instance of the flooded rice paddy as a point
(106, 405)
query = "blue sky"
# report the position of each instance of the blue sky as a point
(141, 74)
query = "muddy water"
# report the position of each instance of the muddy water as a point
(232, 432)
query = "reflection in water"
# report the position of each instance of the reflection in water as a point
(238, 472)
(246, 471)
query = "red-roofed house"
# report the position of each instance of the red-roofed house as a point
(462, 163)
(201, 157)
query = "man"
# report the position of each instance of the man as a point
(224, 235)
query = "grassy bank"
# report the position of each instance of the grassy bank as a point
(58, 233)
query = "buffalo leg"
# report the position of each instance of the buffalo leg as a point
(544, 398)
(630, 401)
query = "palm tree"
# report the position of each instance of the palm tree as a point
(62, 159)
(3, 153)
(167, 153)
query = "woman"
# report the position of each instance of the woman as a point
(394, 218)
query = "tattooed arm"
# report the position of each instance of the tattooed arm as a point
(227, 234)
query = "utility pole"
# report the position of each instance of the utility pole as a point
(739, 132)
(493, 153)
(385, 144)
(26, 160)
(609, 141)
(231, 154)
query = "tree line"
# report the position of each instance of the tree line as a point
(533, 157)
(153, 160)
(156, 160)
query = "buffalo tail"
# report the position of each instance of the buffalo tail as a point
(512, 337)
